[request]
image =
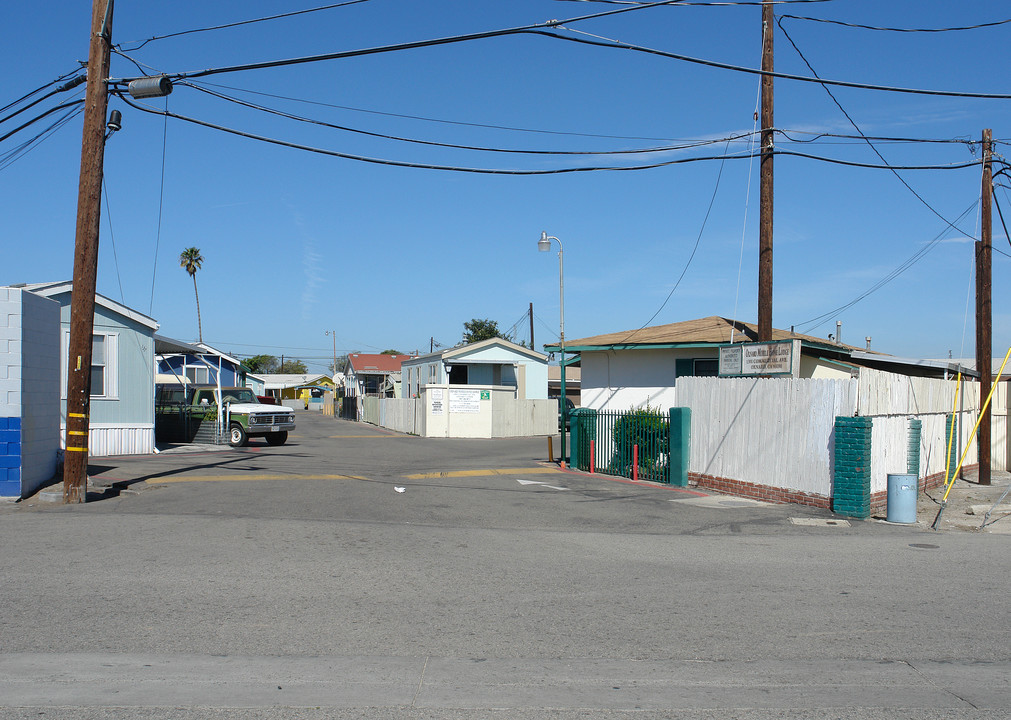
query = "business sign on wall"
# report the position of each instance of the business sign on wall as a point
(436, 396)
(777, 359)
(464, 401)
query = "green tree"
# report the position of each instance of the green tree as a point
(261, 364)
(293, 367)
(191, 260)
(391, 352)
(476, 330)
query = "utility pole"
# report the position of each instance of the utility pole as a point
(334, 333)
(532, 346)
(89, 210)
(984, 315)
(766, 185)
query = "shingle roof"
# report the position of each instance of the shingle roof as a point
(708, 330)
(367, 364)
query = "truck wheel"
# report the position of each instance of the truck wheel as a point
(278, 438)
(237, 436)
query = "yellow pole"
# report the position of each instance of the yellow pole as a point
(976, 426)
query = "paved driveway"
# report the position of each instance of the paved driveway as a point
(300, 582)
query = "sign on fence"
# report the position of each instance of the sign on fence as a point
(778, 359)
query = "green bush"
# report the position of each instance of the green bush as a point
(649, 428)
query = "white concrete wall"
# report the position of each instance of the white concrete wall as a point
(500, 414)
(29, 391)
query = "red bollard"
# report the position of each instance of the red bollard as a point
(635, 463)
(593, 454)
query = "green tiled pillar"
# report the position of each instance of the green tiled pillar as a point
(913, 454)
(851, 486)
(680, 445)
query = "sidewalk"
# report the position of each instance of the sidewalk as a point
(967, 505)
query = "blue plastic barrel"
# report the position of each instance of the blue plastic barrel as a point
(902, 489)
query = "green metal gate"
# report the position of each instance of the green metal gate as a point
(632, 444)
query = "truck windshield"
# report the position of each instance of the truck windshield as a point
(238, 395)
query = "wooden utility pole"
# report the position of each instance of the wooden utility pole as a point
(984, 319)
(89, 211)
(766, 186)
(532, 346)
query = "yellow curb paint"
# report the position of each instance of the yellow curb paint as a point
(479, 473)
(250, 478)
(378, 437)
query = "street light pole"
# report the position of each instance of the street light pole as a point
(544, 245)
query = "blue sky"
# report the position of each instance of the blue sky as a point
(297, 243)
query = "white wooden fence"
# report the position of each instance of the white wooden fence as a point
(780, 432)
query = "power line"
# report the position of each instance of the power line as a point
(24, 97)
(618, 45)
(517, 151)
(14, 154)
(691, 257)
(857, 128)
(908, 263)
(436, 120)
(554, 171)
(403, 46)
(896, 29)
(239, 23)
(423, 166)
(50, 111)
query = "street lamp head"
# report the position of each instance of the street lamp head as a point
(544, 244)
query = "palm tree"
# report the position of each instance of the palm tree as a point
(190, 259)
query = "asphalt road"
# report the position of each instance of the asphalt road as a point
(298, 582)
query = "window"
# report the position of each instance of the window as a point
(198, 375)
(98, 365)
(104, 365)
(707, 368)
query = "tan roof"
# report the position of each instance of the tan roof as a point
(713, 329)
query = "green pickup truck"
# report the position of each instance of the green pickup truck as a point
(247, 417)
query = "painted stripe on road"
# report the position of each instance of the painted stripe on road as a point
(250, 477)
(378, 437)
(479, 473)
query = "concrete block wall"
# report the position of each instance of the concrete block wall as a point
(29, 391)
(851, 483)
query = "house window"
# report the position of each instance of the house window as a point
(707, 368)
(98, 365)
(104, 365)
(198, 375)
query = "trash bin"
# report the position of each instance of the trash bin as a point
(902, 489)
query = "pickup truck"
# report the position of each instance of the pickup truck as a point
(247, 417)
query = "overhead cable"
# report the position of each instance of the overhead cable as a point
(500, 171)
(905, 265)
(11, 156)
(402, 46)
(618, 45)
(50, 111)
(978, 26)
(239, 23)
(431, 119)
(869, 143)
(423, 166)
(384, 136)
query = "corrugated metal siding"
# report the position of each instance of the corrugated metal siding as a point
(104, 441)
(775, 432)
